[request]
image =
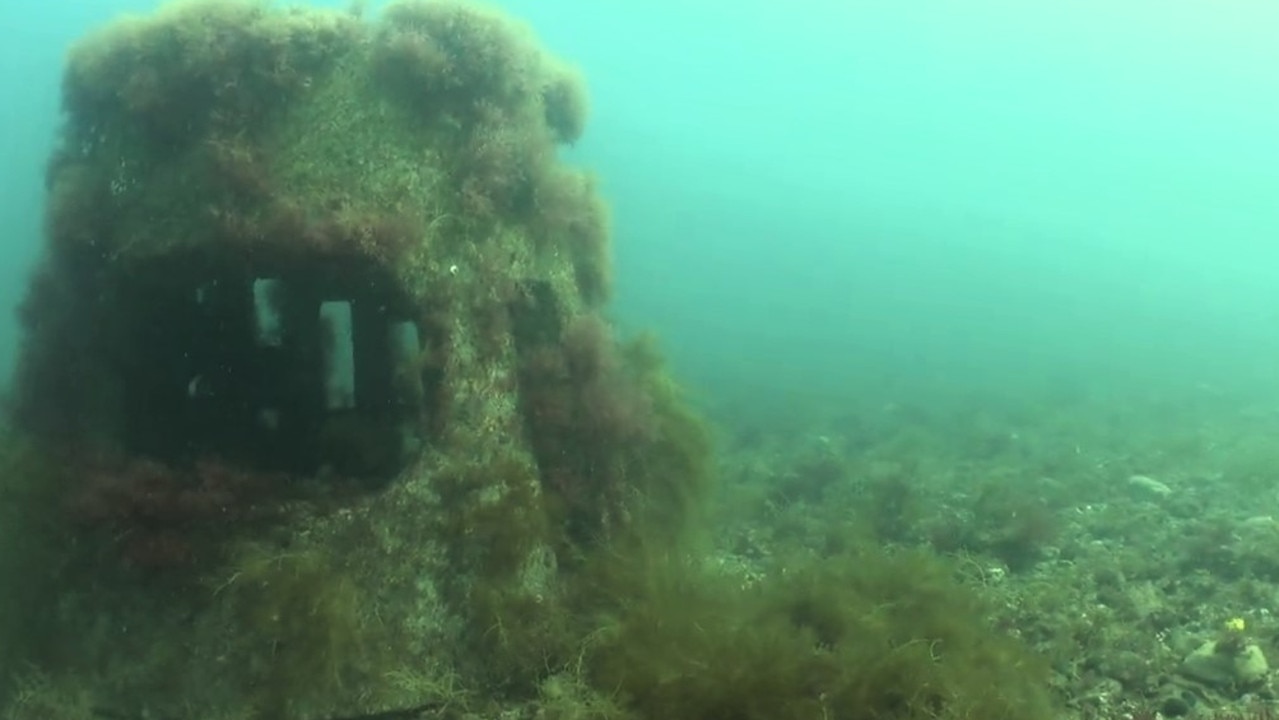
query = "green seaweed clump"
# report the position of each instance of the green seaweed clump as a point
(864, 635)
(302, 627)
(31, 488)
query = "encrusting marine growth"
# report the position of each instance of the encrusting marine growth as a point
(319, 414)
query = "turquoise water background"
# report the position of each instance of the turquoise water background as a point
(817, 201)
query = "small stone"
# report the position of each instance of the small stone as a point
(1260, 522)
(1150, 485)
(1224, 668)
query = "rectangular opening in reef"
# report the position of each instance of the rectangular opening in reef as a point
(284, 367)
(338, 355)
(267, 311)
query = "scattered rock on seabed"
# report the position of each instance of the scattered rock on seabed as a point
(1226, 668)
(1147, 484)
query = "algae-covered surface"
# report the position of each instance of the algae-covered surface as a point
(320, 415)
(1126, 539)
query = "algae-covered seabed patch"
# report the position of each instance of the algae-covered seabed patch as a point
(319, 415)
(1113, 537)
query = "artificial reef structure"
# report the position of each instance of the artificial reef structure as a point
(316, 361)
(319, 415)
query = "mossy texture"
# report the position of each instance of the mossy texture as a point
(406, 163)
(860, 635)
(530, 541)
(304, 624)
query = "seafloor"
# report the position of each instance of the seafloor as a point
(1114, 532)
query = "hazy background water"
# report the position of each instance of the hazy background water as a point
(814, 200)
